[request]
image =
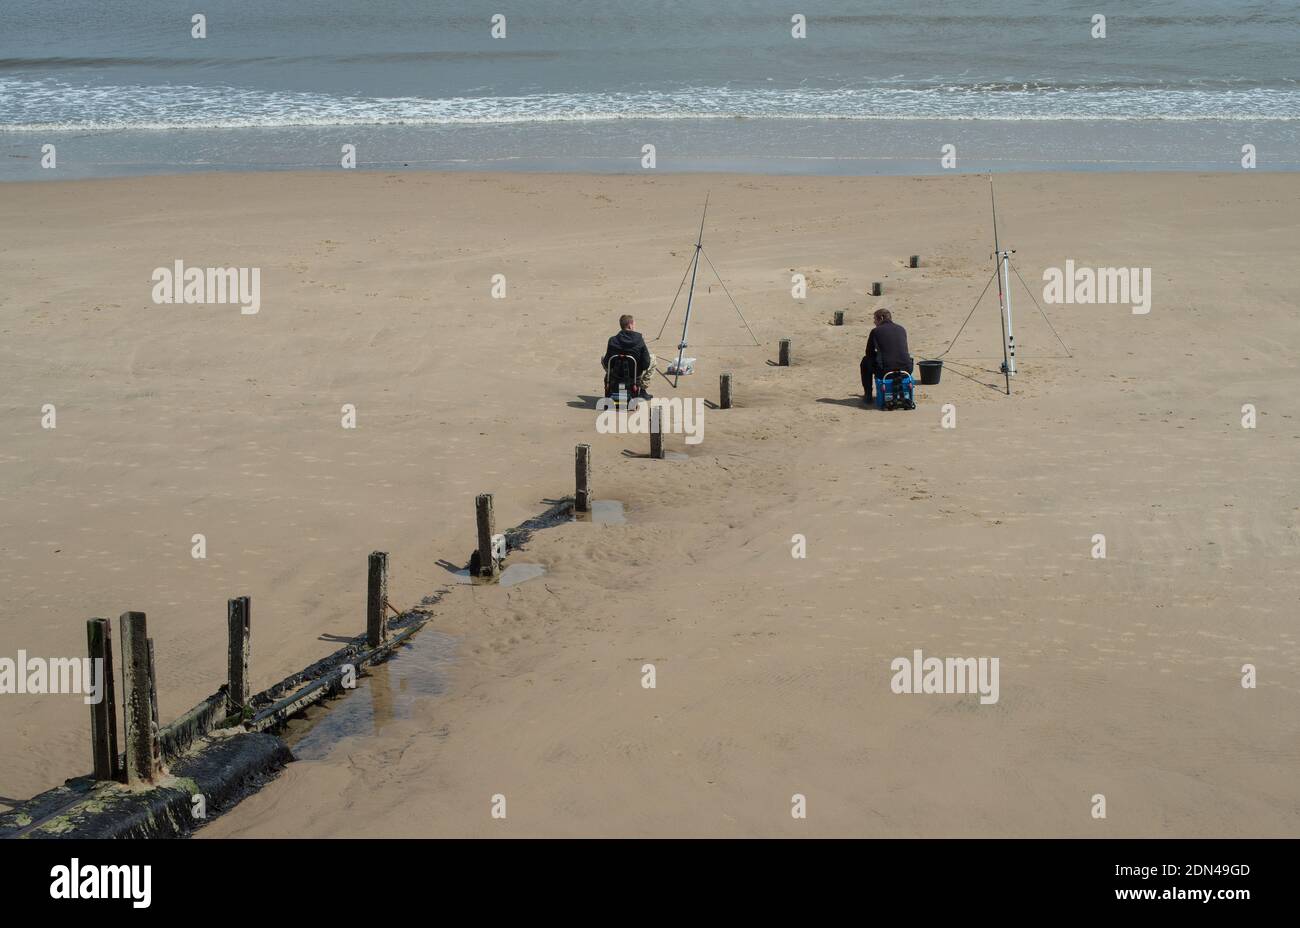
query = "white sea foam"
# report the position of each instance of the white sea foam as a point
(52, 105)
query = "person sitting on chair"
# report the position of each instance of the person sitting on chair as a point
(886, 351)
(629, 341)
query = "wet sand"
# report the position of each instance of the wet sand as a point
(1118, 677)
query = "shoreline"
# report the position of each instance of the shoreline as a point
(770, 147)
(638, 176)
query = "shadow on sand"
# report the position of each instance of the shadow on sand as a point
(853, 401)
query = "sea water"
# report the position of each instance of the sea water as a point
(873, 88)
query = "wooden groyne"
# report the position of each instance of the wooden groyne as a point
(166, 781)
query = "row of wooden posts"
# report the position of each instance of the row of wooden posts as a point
(877, 288)
(141, 759)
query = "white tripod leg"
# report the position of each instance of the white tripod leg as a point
(1011, 338)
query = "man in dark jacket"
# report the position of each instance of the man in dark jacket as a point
(886, 351)
(629, 341)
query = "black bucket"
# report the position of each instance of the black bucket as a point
(930, 372)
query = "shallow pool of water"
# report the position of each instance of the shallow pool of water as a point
(513, 573)
(603, 512)
(518, 573)
(385, 692)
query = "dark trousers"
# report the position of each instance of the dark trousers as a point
(870, 369)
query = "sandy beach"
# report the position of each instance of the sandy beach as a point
(1119, 676)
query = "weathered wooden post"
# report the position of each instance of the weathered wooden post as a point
(103, 714)
(914, 261)
(153, 709)
(783, 353)
(239, 621)
(839, 317)
(724, 391)
(656, 433)
(487, 565)
(876, 289)
(582, 474)
(376, 596)
(137, 716)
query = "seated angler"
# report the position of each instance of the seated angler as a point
(886, 351)
(628, 341)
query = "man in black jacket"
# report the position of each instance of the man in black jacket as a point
(629, 341)
(886, 351)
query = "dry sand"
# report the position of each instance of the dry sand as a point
(1118, 676)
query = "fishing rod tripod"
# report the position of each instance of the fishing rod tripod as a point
(1002, 274)
(1002, 269)
(684, 365)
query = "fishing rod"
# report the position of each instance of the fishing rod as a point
(685, 365)
(1001, 266)
(677, 368)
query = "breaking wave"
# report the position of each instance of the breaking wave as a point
(54, 105)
